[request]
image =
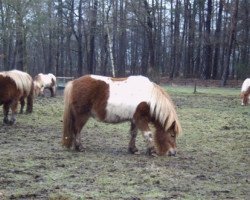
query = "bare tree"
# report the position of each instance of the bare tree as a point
(217, 41)
(208, 45)
(230, 42)
(92, 35)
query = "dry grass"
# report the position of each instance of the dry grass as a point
(212, 162)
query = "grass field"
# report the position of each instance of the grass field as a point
(212, 161)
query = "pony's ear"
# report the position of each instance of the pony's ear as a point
(173, 126)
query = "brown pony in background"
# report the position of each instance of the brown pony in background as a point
(45, 81)
(114, 100)
(15, 86)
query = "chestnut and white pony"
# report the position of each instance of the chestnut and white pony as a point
(113, 100)
(245, 92)
(15, 86)
(45, 81)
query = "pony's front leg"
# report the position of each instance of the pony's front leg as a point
(133, 132)
(52, 91)
(42, 92)
(148, 135)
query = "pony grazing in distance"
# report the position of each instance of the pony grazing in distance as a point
(45, 81)
(15, 86)
(245, 92)
(112, 100)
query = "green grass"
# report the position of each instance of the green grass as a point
(212, 160)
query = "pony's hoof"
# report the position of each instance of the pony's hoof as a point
(11, 122)
(80, 148)
(5, 121)
(8, 122)
(151, 152)
(133, 150)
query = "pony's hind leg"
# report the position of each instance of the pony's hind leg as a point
(52, 94)
(6, 108)
(79, 123)
(22, 102)
(13, 107)
(29, 107)
(133, 133)
(53, 91)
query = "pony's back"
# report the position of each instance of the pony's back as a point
(245, 85)
(245, 92)
(23, 80)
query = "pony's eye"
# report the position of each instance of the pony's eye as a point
(172, 135)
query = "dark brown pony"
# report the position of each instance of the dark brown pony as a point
(15, 86)
(112, 100)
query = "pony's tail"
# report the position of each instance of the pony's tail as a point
(68, 117)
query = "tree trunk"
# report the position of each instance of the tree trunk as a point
(208, 46)
(153, 71)
(78, 35)
(200, 39)
(176, 46)
(91, 50)
(20, 39)
(230, 42)
(217, 41)
(110, 43)
(121, 61)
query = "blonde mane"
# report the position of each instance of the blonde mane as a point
(162, 107)
(22, 80)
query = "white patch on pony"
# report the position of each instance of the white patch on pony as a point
(149, 138)
(245, 85)
(46, 79)
(244, 88)
(125, 96)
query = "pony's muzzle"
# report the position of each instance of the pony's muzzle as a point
(172, 152)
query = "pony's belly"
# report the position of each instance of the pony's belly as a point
(119, 113)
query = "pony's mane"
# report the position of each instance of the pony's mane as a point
(163, 109)
(21, 79)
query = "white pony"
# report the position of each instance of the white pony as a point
(245, 92)
(45, 81)
(113, 100)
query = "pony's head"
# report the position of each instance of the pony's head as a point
(165, 140)
(37, 88)
(245, 97)
(166, 122)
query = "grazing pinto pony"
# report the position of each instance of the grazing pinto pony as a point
(245, 92)
(45, 81)
(113, 100)
(15, 86)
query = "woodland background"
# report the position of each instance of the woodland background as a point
(207, 39)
